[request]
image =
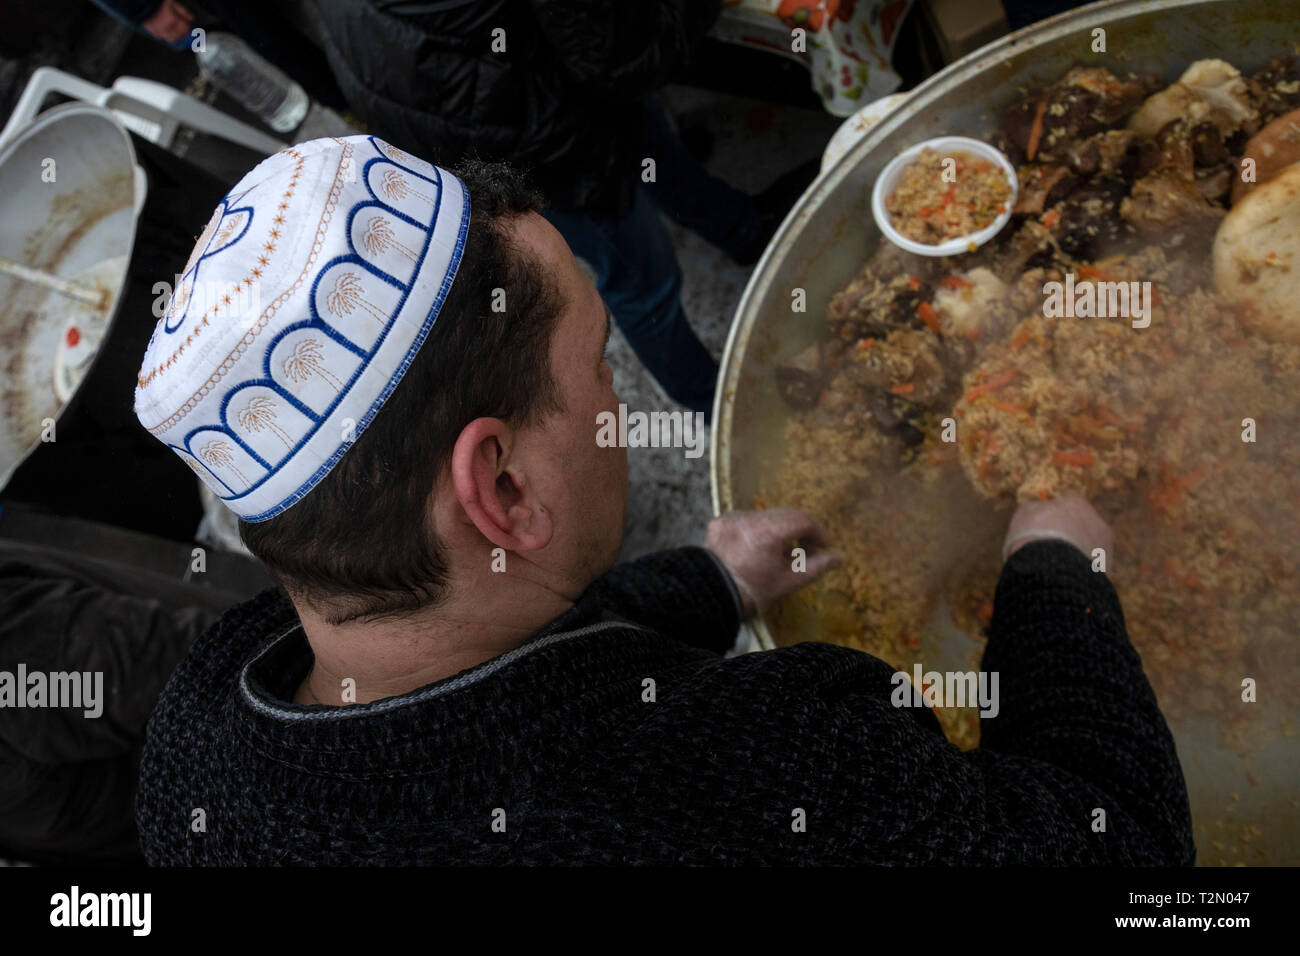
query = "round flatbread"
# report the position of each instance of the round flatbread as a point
(1257, 255)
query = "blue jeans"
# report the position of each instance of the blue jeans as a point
(690, 195)
(638, 277)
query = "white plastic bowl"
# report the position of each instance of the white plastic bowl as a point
(890, 175)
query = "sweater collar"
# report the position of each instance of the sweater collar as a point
(283, 662)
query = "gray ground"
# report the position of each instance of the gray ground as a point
(669, 499)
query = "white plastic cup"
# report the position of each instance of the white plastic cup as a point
(944, 146)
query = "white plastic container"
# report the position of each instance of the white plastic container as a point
(944, 145)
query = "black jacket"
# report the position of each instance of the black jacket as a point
(563, 100)
(67, 781)
(559, 743)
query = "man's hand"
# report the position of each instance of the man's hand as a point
(1068, 518)
(170, 23)
(757, 548)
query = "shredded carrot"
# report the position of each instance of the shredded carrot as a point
(1036, 130)
(974, 334)
(914, 282)
(1051, 219)
(1092, 272)
(907, 388)
(985, 612)
(1072, 457)
(1011, 407)
(955, 282)
(866, 344)
(997, 381)
(1019, 341)
(1088, 421)
(931, 318)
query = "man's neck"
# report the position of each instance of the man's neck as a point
(363, 661)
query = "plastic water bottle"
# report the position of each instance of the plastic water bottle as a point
(233, 67)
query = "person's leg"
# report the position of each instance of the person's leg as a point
(638, 277)
(690, 195)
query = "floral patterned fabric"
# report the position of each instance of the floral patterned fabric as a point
(847, 46)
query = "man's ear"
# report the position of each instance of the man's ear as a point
(493, 489)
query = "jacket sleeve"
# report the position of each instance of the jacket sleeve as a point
(627, 49)
(1076, 730)
(685, 593)
(60, 613)
(1073, 693)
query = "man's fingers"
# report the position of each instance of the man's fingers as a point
(788, 523)
(821, 562)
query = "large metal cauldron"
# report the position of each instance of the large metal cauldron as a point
(830, 233)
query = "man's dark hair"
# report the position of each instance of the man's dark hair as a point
(360, 544)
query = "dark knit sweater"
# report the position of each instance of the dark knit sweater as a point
(557, 739)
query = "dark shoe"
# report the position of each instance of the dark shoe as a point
(698, 140)
(773, 204)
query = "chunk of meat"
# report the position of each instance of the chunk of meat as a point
(1090, 220)
(1208, 146)
(869, 307)
(1210, 90)
(908, 363)
(801, 380)
(1116, 97)
(1215, 184)
(1031, 242)
(1026, 293)
(1223, 87)
(1276, 88)
(1171, 104)
(1166, 205)
(895, 415)
(1041, 187)
(840, 403)
(1170, 149)
(1105, 154)
(1083, 102)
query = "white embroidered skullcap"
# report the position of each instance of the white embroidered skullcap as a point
(302, 305)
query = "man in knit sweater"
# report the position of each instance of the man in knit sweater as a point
(459, 672)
